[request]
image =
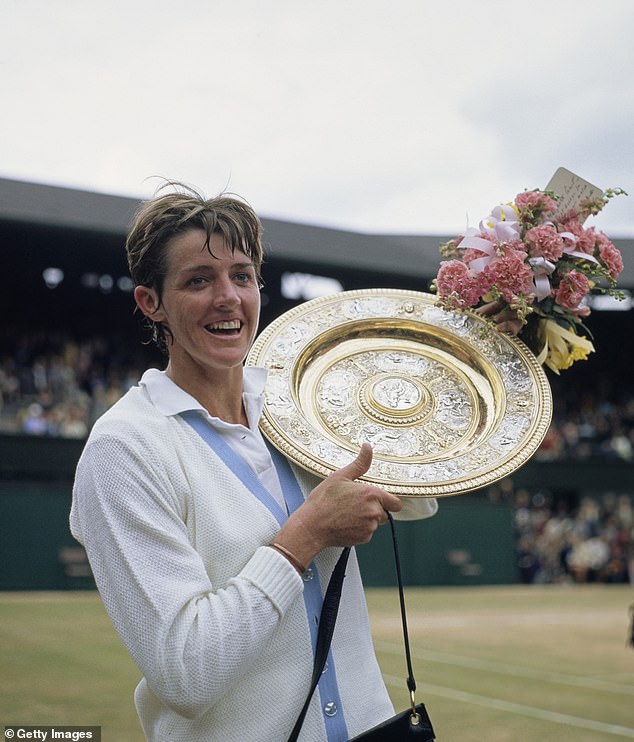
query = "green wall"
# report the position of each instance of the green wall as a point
(469, 542)
(37, 551)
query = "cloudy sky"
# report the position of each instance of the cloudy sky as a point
(401, 116)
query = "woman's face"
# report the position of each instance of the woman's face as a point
(211, 305)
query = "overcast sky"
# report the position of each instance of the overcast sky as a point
(400, 116)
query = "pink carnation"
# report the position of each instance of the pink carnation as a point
(510, 275)
(472, 253)
(544, 242)
(456, 285)
(516, 245)
(535, 202)
(573, 287)
(610, 255)
(586, 238)
(567, 219)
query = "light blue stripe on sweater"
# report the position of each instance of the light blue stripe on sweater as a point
(235, 463)
(313, 599)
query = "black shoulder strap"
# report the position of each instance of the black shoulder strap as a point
(327, 621)
(329, 617)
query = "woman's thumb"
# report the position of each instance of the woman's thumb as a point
(360, 465)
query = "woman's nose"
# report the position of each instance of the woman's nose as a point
(225, 292)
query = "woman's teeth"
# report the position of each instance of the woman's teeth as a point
(228, 326)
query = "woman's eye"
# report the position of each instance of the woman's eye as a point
(243, 277)
(196, 281)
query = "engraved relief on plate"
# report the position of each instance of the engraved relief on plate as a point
(406, 405)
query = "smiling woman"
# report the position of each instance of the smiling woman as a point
(208, 310)
(210, 550)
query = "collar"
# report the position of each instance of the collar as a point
(170, 399)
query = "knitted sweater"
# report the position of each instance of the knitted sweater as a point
(213, 618)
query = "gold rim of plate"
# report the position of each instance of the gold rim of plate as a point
(448, 403)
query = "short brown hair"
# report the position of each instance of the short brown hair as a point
(160, 219)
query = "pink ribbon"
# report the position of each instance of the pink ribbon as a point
(570, 249)
(501, 225)
(542, 268)
(472, 240)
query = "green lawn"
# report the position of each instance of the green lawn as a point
(501, 664)
(64, 664)
(509, 664)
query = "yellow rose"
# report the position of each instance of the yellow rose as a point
(561, 347)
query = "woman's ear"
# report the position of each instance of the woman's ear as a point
(148, 302)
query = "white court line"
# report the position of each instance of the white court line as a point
(578, 681)
(516, 708)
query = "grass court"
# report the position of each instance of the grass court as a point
(501, 664)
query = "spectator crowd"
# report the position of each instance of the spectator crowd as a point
(560, 540)
(58, 386)
(590, 422)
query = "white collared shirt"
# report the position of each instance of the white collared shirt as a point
(248, 443)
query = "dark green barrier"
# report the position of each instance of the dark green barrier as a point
(37, 551)
(468, 542)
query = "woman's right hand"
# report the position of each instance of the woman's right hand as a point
(340, 511)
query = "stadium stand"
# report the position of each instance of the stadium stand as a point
(71, 347)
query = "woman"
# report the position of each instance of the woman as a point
(210, 551)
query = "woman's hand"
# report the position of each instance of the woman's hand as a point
(338, 512)
(505, 318)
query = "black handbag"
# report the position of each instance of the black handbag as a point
(411, 724)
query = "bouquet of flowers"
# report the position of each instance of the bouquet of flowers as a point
(539, 263)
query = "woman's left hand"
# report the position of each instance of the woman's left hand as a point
(505, 318)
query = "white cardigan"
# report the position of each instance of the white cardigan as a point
(213, 617)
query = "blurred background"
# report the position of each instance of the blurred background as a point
(72, 345)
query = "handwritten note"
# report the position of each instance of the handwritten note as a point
(571, 189)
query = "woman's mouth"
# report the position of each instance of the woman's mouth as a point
(227, 327)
